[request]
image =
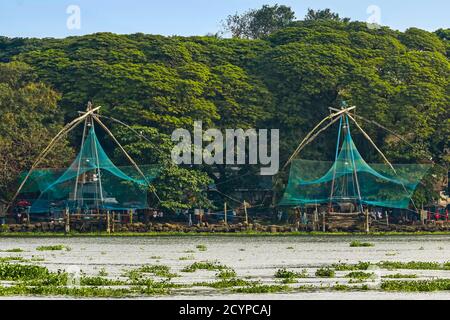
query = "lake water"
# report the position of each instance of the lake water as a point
(255, 258)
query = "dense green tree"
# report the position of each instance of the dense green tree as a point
(29, 118)
(257, 23)
(325, 14)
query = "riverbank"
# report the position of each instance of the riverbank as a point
(57, 229)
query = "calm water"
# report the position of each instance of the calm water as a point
(255, 257)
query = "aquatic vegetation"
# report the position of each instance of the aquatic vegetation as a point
(226, 274)
(325, 272)
(357, 243)
(226, 283)
(350, 267)
(399, 276)
(290, 248)
(155, 257)
(16, 272)
(53, 248)
(157, 270)
(100, 281)
(263, 288)
(13, 258)
(13, 250)
(359, 275)
(186, 258)
(416, 285)
(102, 273)
(419, 265)
(201, 247)
(287, 274)
(205, 265)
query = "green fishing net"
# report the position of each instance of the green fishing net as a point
(92, 181)
(350, 179)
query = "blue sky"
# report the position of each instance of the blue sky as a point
(47, 18)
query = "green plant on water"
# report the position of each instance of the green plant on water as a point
(53, 248)
(399, 276)
(37, 259)
(357, 243)
(157, 270)
(189, 251)
(416, 285)
(359, 275)
(225, 283)
(418, 265)
(205, 265)
(325, 272)
(16, 272)
(186, 258)
(290, 248)
(102, 272)
(350, 267)
(100, 281)
(226, 274)
(13, 250)
(340, 287)
(155, 257)
(201, 247)
(263, 288)
(13, 258)
(287, 274)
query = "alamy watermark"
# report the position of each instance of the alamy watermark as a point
(73, 22)
(230, 150)
(374, 20)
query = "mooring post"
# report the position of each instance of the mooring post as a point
(113, 218)
(245, 210)
(225, 213)
(387, 218)
(108, 230)
(67, 220)
(131, 216)
(323, 221)
(367, 221)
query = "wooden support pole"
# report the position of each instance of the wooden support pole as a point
(245, 210)
(387, 218)
(367, 220)
(108, 227)
(131, 216)
(225, 213)
(113, 220)
(67, 220)
(323, 222)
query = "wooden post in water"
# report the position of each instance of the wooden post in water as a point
(387, 218)
(67, 220)
(108, 227)
(245, 210)
(131, 216)
(113, 218)
(225, 213)
(323, 222)
(367, 220)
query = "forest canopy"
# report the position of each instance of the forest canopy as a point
(284, 76)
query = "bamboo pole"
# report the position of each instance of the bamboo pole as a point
(67, 128)
(367, 221)
(305, 140)
(225, 213)
(245, 210)
(67, 220)
(108, 226)
(323, 222)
